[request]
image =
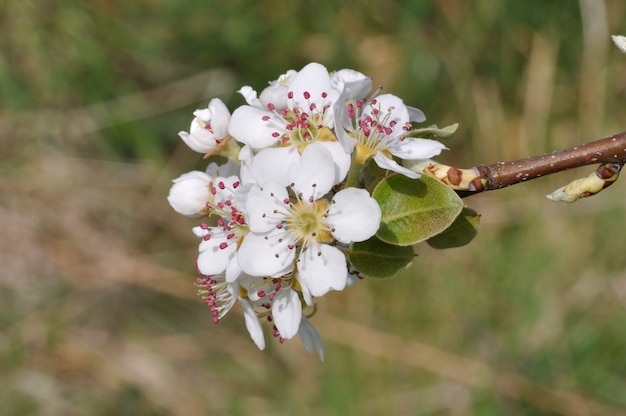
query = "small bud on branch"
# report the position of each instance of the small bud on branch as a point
(610, 152)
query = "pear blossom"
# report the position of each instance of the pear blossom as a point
(209, 129)
(378, 127)
(279, 217)
(299, 113)
(305, 228)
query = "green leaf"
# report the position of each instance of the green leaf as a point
(414, 210)
(459, 233)
(433, 132)
(375, 258)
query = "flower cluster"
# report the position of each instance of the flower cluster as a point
(277, 219)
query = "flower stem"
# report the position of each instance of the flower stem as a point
(353, 176)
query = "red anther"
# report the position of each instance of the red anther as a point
(220, 222)
(265, 118)
(279, 226)
(271, 106)
(213, 190)
(206, 237)
(223, 245)
(275, 134)
(216, 319)
(312, 106)
(272, 297)
(306, 95)
(207, 126)
(324, 95)
(373, 102)
(230, 236)
(221, 185)
(204, 226)
(236, 184)
(351, 112)
(291, 246)
(220, 205)
(260, 294)
(286, 201)
(290, 95)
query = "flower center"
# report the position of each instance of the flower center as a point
(304, 125)
(307, 223)
(374, 132)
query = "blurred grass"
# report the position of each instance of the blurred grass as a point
(98, 314)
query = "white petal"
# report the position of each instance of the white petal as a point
(287, 312)
(265, 208)
(200, 141)
(190, 193)
(229, 168)
(354, 83)
(249, 94)
(313, 80)
(220, 117)
(212, 259)
(266, 254)
(273, 164)
(233, 271)
(620, 42)
(256, 127)
(353, 215)
(311, 338)
(416, 115)
(414, 148)
(275, 94)
(315, 175)
(340, 157)
(322, 268)
(253, 324)
(385, 163)
(343, 122)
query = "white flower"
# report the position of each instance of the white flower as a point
(297, 112)
(209, 128)
(304, 227)
(620, 42)
(377, 128)
(190, 193)
(218, 248)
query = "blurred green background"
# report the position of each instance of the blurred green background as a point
(98, 313)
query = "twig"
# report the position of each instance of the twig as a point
(610, 152)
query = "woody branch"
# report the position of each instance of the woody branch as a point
(609, 152)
